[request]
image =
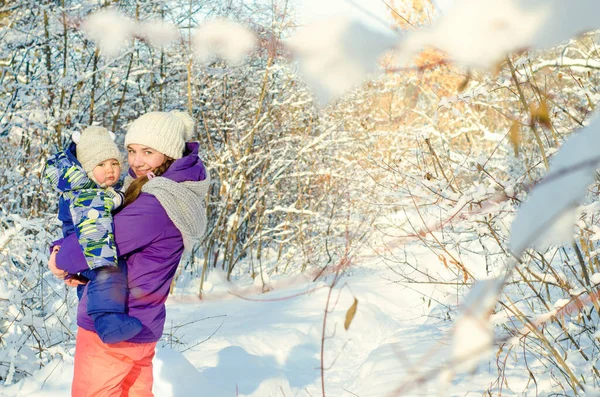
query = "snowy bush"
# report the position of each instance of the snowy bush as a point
(37, 319)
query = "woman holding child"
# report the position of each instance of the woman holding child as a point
(163, 214)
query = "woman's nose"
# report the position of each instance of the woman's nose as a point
(137, 161)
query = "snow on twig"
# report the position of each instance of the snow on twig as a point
(549, 214)
(112, 30)
(109, 29)
(224, 39)
(336, 55)
(479, 33)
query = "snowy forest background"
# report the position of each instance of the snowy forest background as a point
(433, 152)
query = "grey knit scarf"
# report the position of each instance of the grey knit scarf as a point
(184, 204)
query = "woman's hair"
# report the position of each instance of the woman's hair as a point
(135, 188)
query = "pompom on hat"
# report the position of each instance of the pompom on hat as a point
(165, 132)
(95, 144)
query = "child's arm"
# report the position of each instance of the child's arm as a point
(93, 221)
(116, 196)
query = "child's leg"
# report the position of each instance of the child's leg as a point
(107, 296)
(111, 370)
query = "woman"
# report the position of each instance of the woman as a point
(164, 214)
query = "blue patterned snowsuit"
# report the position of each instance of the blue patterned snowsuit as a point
(85, 209)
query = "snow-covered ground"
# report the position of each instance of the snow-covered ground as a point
(240, 342)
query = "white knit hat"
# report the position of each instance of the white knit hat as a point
(95, 145)
(166, 132)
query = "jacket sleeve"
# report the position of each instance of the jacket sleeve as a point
(70, 257)
(135, 227)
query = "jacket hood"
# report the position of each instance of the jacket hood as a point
(65, 173)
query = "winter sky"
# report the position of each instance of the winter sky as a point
(375, 13)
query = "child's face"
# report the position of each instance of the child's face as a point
(107, 172)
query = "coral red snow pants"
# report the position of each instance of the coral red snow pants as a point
(121, 369)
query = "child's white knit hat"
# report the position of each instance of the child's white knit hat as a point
(165, 132)
(95, 145)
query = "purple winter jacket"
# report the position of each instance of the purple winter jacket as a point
(150, 244)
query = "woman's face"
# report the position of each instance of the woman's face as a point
(143, 159)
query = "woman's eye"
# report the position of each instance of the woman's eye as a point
(148, 152)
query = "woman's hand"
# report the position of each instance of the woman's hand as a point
(58, 273)
(61, 274)
(73, 282)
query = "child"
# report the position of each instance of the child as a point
(85, 175)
